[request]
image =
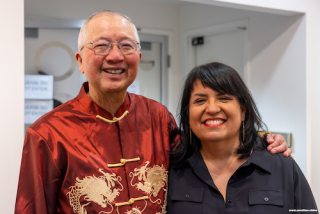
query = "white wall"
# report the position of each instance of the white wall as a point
(311, 23)
(278, 78)
(11, 105)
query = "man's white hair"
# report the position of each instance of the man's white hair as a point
(83, 31)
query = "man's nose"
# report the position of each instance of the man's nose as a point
(213, 107)
(115, 55)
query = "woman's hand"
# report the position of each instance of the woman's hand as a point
(278, 144)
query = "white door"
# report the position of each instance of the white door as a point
(227, 48)
(149, 74)
(225, 43)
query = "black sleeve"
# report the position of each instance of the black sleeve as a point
(303, 197)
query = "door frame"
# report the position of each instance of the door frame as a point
(166, 52)
(163, 41)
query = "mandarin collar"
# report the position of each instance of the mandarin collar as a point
(93, 108)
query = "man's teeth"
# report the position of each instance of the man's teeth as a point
(214, 122)
(114, 71)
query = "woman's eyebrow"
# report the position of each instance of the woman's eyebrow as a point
(200, 95)
(223, 93)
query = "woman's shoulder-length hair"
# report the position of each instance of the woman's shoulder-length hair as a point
(225, 80)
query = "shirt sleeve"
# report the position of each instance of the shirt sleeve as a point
(40, 178)
(303, 197)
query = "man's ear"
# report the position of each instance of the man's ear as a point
(79, 60)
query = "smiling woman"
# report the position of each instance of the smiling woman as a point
(220, 84)
(214, 116)
(221, 164)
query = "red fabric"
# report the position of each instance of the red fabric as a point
(67, 151)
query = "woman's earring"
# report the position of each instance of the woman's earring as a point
(190, 135)
(243, 132)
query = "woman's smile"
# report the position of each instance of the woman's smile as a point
(213, 122)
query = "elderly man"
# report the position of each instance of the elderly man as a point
(105, 151)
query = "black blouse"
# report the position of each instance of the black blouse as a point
(265, 183)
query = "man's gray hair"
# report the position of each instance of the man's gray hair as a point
(83, 31)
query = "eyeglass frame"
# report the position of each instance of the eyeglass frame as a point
(139, 47)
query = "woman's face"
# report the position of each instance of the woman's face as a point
(213, 116)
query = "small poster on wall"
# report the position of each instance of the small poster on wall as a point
(33, 110)
(38, 87)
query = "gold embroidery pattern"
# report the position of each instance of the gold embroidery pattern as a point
(164, 206)
(153, 179)
(135, 210)
(95, 189)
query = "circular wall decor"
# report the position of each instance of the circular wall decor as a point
(60, 45)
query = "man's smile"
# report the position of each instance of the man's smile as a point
(111, 71)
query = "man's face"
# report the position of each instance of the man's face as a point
(98, 69)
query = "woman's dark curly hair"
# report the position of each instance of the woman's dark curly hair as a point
(225, 80)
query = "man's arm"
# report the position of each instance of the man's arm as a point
(39, 178)
(278, 144)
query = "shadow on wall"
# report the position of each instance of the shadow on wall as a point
(273, 40)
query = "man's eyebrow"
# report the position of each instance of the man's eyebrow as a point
(122, 38)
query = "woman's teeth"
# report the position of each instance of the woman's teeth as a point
(214, 122)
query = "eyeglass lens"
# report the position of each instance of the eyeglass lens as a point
(103, 46)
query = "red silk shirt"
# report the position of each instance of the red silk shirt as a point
(79, 159)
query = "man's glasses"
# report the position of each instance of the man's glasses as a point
(103, 46)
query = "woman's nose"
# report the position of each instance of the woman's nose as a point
(212, 107)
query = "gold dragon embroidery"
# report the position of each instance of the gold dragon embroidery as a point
(135, 210)
(153, 180)
(164, 206)
(94, 189)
